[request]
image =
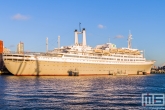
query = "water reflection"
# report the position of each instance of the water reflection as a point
(82, 92)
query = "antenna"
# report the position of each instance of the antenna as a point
(80, 26)
(46, 44)
(129, 39)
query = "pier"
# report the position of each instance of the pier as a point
(159, 70)
(5, 72)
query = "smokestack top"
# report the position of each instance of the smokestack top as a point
(75, 30)
(83, 28)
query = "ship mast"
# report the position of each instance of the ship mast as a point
(80, 27)
(129, 40)
(47, 44)
(58, 41)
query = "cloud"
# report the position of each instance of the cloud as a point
(101, 26)
(20, 17)
(119, 37)
(12, 46)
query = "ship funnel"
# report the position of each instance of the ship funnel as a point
(76, 37)
(84, 37)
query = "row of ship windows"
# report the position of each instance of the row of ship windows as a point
(83, 56)
(105, 59)
(119, 60)
(101, 57)
(128, 56)
(75, 63)
(113, 59)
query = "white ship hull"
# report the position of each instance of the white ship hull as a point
(38, 67)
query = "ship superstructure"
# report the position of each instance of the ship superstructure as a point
(80, 59)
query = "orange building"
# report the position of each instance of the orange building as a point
(1, 46)
(1, 51)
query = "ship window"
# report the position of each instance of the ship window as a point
(10, 59)
(19, 59)
(7, 55)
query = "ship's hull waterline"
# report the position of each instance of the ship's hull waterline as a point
(46, 68)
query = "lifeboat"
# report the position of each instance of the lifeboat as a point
(127, 51)
(113, 50)
(131, 52)
(89, 51)
(71, 50)
(137, 53)
(98, 51)
(106, 52)
(120, 51)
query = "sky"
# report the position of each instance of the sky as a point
(31, 21)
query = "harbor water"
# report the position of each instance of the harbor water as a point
(78, 92)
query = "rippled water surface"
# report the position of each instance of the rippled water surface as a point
(77, 92)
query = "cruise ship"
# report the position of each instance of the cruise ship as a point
(80, 59)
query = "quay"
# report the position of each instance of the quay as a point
(158, 72)
(5, 72)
